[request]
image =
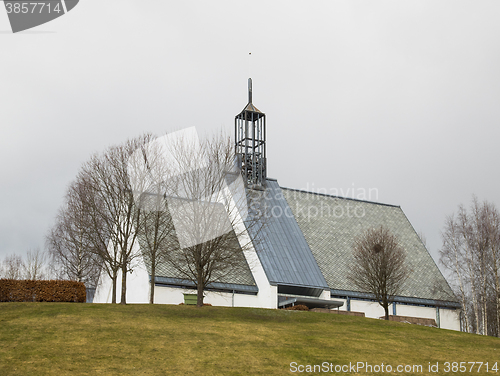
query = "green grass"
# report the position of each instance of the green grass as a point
(71, 339)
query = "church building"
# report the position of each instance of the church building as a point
(304, 251)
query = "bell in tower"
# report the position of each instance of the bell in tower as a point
(250, 137)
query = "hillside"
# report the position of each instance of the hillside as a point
(72, 339)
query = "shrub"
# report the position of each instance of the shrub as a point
(298, 307)
(41, 291)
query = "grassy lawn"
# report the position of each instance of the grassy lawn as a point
(72, 339)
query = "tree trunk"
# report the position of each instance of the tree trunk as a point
(124, 284)
(474, 292)
(485, 316)
(199, 300)
(476, 310)
(463, 297)
(485, 299)
(497, 300)
(113, 296)
(152, 284)
(386, 308)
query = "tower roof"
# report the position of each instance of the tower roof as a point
(250, 108)
(257, 114)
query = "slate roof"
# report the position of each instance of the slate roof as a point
(167, 274)
(282, 249)
(330, 224)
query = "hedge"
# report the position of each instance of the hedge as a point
(298, 307)
(12, 290)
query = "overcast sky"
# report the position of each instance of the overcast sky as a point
(401, 97)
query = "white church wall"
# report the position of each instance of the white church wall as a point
(415, 311)
(170, 295)
(174, 295)
(138, 292)
(137, 284)
(371, 309)
(103, 289)
(138, 288)
(326, 295)
(344, 306)
(449, 319)
(267, 296)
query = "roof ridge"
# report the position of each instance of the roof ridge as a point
(340, 197)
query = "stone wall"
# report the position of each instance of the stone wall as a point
(413, 320)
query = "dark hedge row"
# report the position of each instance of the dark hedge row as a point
(12, 290)
(298, 307)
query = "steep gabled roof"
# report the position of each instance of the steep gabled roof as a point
(330, 225)
(306, 240)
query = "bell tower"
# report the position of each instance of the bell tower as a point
(250, 139)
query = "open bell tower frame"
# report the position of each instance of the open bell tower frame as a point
(250, 143)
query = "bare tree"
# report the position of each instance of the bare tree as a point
(207, 202)
(149, 174)
(34, 268)
(191, 208)
(423, 238)
(111, 205)
(156, 231)
(99, 224)
(493, 264)
(69, 241)
(96, 229)
(13, 266)
(452, 255)
(471, 254)
(470, 260)
(379, 266)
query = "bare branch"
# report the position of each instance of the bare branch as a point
(379, 266)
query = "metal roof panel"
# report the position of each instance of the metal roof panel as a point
(281, 246)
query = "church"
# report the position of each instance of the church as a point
(304, 251)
